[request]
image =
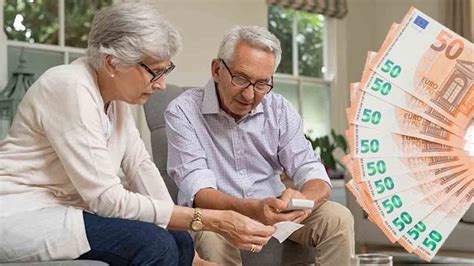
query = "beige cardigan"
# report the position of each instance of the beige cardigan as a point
(64, 154)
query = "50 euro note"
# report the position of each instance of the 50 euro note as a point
(374, 84)
(384, 208)
(401, 219)
(432, 63)
(367, 142)
(392, 184)
(354, 189)
(366, 169)
(379, 87)
(426, 228)
(432, 241)
(354, 86)
(369, 111)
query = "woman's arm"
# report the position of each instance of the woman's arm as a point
(91, 163)
(239, 230)
(141, 174)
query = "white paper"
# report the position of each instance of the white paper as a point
(285, 229)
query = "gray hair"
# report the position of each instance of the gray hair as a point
(255, 36)
(129, 32)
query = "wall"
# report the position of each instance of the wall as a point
(202, 25)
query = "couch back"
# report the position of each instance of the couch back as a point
(154, 112)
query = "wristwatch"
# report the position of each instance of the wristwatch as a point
(196, 224)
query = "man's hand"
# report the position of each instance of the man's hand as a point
(269, 211)
(295, 194)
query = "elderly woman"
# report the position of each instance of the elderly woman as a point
(75, 178)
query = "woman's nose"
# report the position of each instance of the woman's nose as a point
(159, 84)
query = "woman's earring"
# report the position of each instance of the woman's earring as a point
(112, 75)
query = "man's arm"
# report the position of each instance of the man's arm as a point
(317, 190)
(187, 159)
(266, 210)
(298, 159)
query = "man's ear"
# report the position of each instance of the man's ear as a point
(215, 66)
(109, 65)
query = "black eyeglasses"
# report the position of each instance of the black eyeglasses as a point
(262, 87)
(158, 74)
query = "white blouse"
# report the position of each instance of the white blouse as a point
(63, 154)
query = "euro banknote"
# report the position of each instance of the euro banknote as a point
(436, 68)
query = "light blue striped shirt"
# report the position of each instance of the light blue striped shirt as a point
(207, 148)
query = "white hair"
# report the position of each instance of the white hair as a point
(255, 36)
(130, 32)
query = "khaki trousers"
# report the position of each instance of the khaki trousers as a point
(330, 229)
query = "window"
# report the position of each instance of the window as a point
(47, 32)
(302, 76)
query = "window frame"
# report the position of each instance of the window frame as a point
(329, 58)
(60, 47)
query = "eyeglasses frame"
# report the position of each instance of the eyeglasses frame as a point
(250, 83)
(157, 75)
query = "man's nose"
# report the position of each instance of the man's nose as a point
(248, 93)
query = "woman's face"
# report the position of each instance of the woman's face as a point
(137, 83)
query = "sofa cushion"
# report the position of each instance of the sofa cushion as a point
(469, 215)
(155, 106)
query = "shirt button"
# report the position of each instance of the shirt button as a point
(242, 172)
(247, 194)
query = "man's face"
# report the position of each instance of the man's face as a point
(255, 65)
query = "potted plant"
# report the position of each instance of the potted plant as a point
(326, 147)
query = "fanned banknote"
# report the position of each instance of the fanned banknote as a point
(411, 134)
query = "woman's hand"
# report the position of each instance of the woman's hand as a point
(241, 231)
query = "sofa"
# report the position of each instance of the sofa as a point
(274, 253)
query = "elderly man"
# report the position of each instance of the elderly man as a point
(230, 141)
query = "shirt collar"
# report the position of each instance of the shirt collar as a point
(210, 102)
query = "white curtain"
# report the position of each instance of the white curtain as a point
(460, 17)
(472, 20)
